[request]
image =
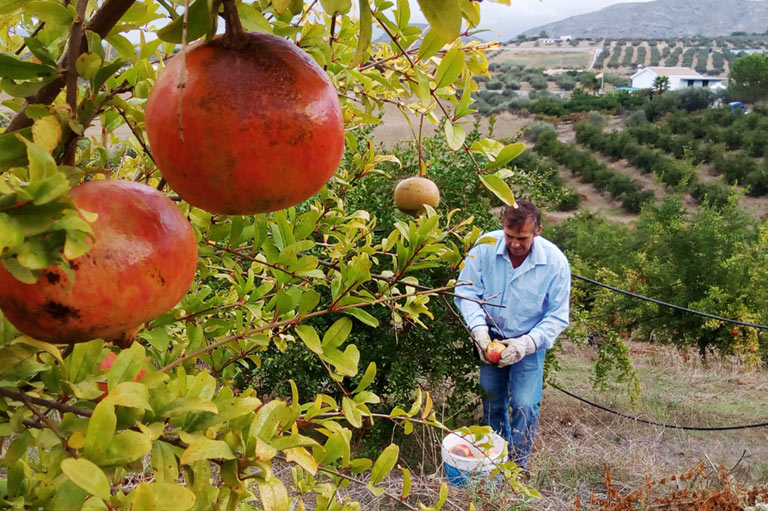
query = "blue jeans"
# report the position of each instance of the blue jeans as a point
(517, 386)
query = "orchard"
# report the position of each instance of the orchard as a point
(174, 211)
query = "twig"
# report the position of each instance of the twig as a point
(182, 72)
(48, 422)
(33, 34)
(294, 321)
(62, 407)
(101, 23)
(361, 483)
(73, 51)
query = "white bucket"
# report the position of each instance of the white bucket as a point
(461, 469)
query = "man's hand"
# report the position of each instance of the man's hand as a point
(482, 340)
(517, 348)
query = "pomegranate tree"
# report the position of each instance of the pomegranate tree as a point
(141, 262)
(258, 126)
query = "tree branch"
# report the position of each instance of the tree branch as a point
(102, 22)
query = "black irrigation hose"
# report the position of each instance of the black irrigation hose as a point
(653, 423)
(659, 302)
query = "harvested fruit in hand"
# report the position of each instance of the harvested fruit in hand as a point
(142, 260)
(413, 193)
(493, 351)
(258, 126)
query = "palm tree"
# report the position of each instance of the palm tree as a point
(660, 84)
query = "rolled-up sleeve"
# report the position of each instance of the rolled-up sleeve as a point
(557, 309)
(470, 285)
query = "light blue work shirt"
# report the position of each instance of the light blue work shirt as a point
(535, 295)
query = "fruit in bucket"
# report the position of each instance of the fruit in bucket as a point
(493, 351)
(461, 450)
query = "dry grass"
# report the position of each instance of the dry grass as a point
(576, 443)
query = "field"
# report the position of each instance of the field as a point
(576, 443)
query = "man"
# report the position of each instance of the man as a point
(531, 279)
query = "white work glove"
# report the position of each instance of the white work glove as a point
(482, 340)
(517, 348)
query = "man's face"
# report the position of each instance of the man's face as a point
(520, 239)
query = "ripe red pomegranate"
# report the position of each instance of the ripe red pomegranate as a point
(262, 125)
(141, 263)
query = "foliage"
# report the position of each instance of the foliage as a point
(748, 79)
(709, 261)
(305, 283)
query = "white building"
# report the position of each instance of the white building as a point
(679, 78)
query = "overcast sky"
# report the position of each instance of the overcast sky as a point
(525, 14)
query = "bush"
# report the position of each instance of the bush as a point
(637, 118)
(565, 82)
(538, 82)
(596, 119)
(534, 131)
(494, 85)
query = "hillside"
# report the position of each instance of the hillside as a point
(664, 18)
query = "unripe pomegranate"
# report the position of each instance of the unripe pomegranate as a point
(141, 262)
(413, 193)
(262, 125)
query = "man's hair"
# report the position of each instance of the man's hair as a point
(525, 210)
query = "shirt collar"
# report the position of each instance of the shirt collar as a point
(537, 255)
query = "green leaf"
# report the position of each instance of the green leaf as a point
(430, 45)
(8, 6)
(450, 67)
(161, 496)
(68, 496)
(471, 11)
(345, 362)
(23, 89)
(497, 185)
(127, 365)
(351, 413)
(34, 254)
(130, 394)
(310, 338)
(11, 235)
(274, 496)
(229, 409)
(75, 245)
(280, 6)
(101, 429)
(454, 135)
(367, 379)
(363, 316)
(507, 154)
(41, 164)
(13, 67)
(206, 449)
(366, 33)
(88, 65)
(198, 22)
(103, 74)
(49, 189)
(87, 476)
(384, 463)
(123, 46)
(13, 152)
(444, 17)
(127, 447)
(406, 482)
(164, 465)
(332, 7)
(53, 13)
(337, 333)
(185, 405)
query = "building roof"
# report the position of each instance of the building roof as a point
(674, 71)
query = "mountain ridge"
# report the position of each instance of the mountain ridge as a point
(662, 19)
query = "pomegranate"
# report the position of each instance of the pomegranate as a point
(494, 350)
(262, 125)
(413, 193)
(461, 450)
(141, 262)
